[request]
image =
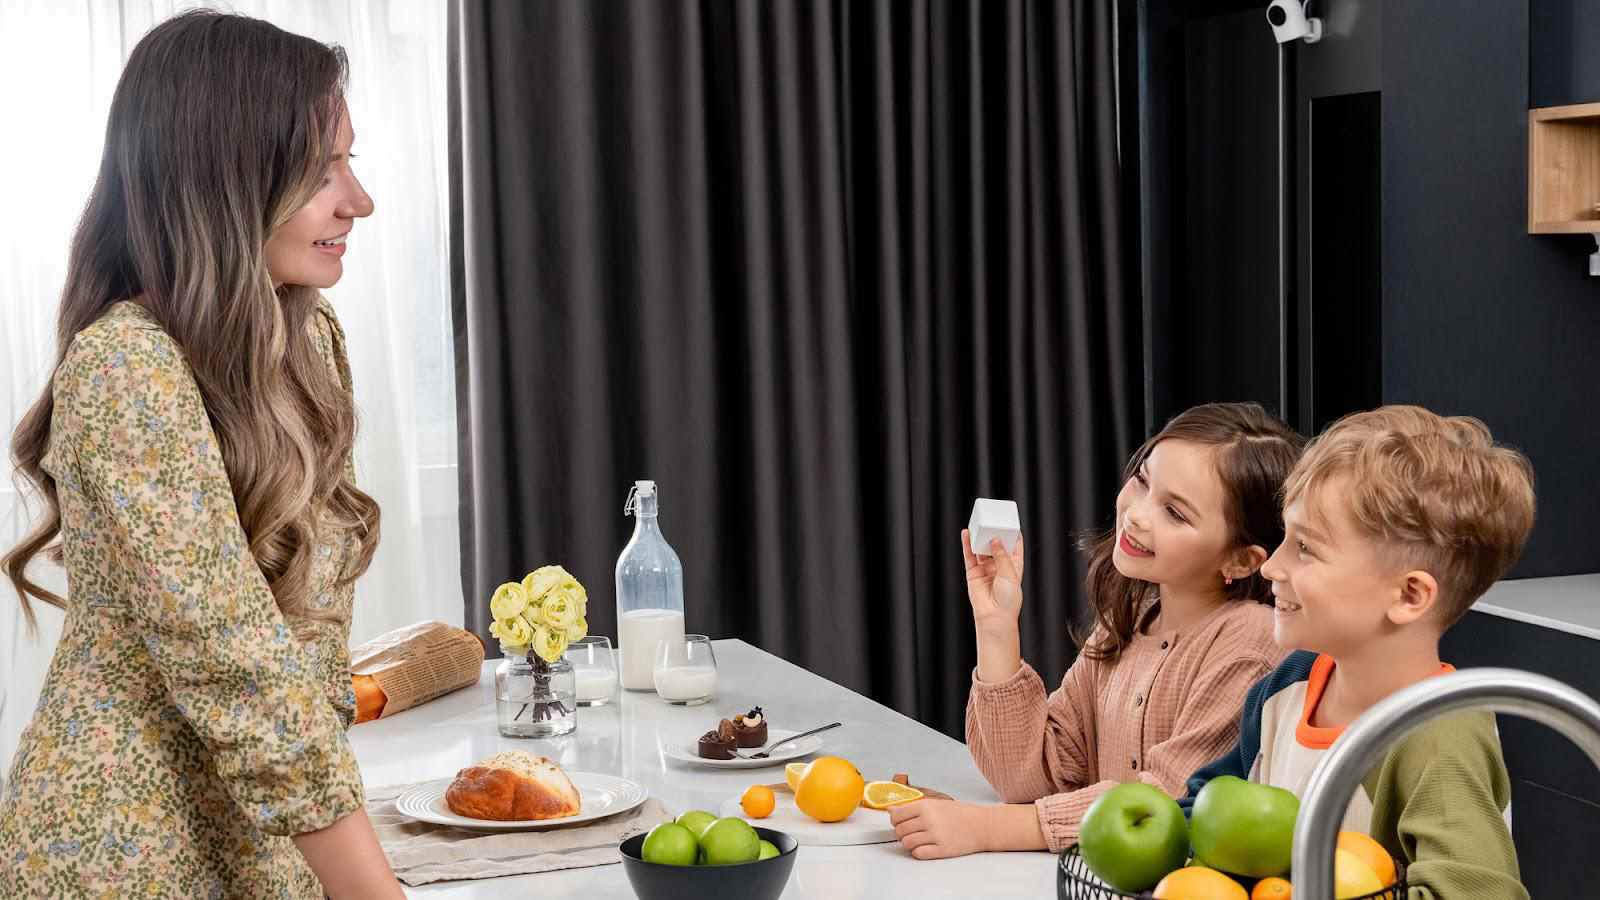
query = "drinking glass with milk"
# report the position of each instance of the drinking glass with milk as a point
(686, 670)
(595, 668)
(649, 591)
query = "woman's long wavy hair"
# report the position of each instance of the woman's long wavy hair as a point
(1254, 453)
(220, 130)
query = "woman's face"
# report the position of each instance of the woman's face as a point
(307, 250)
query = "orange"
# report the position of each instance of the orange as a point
(1370, 852)
(830, 789)
(884, 794)
(1272, 889)
(792, 773)
(758, 801)
(1199, 883)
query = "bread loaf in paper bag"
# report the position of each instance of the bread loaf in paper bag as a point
(410, 666)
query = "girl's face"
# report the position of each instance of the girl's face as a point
(307, 250)
(1171, 524)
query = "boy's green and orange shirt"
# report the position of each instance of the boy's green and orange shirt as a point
(1438, 801)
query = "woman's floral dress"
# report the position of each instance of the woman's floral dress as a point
(186, 727)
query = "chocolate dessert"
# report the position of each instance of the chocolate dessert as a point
(750, 729)
(719, 742)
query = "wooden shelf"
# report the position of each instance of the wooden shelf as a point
(1564, 169)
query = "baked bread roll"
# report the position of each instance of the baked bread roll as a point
(513, 786)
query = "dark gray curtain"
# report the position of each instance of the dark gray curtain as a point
(826, 271)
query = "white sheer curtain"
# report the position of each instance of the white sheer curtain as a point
(59, 64)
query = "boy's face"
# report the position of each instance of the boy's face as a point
(1334, 592)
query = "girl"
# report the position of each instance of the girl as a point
(1183, 627)
(193, 454)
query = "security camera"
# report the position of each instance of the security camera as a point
(1289, 22)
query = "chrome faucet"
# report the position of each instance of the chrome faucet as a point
(1336, 778)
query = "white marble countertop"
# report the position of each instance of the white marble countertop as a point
(1569, 603)
(626, 738)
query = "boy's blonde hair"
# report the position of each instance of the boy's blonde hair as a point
(1435, 491)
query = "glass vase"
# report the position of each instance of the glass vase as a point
(535, 699)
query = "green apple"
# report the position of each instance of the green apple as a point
(729, 841)
(697, 821)
(1244, 828)
(1133, 836)
(670, 844)
(768, 850)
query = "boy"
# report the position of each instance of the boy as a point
(1396, 521)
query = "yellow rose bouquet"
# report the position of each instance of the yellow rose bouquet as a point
(543, 613)
(536, 618)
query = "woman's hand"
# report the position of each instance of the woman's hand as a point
(994, 587)
(349, 861)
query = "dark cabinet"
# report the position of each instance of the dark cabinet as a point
(1555, 789)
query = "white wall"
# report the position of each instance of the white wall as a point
(59, 64)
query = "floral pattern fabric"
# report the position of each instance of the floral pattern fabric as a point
(186, 727)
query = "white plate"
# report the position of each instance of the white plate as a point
(864, 826)
(600, 796)
(690, 752)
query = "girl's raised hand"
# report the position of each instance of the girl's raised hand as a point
(994, 587)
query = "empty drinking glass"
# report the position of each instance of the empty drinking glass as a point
(686, 670)
(595, 667)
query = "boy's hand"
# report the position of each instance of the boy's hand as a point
(994, 587)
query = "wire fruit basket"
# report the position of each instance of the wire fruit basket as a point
(1074, 881)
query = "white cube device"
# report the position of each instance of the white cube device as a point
(992, 519)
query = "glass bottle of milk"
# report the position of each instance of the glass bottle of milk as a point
(649, 591)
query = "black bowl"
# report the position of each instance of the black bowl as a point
(760, 880)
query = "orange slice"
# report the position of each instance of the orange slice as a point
(884, 794)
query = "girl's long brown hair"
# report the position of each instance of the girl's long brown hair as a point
(1254, 452)
(220, 130)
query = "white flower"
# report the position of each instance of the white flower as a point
(509, 599)
(549, 644)
(515, 631)
(578, 630)
(541, 580)
(559, 611)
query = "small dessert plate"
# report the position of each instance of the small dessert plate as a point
(688, 751)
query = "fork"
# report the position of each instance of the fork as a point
(788, 740)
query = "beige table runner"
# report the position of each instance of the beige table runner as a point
(421, 853)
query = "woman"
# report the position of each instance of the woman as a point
(193, 455)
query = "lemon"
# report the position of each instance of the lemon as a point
(1199, 883)
(1370, 852)
(1352, 877)
(792, 773)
